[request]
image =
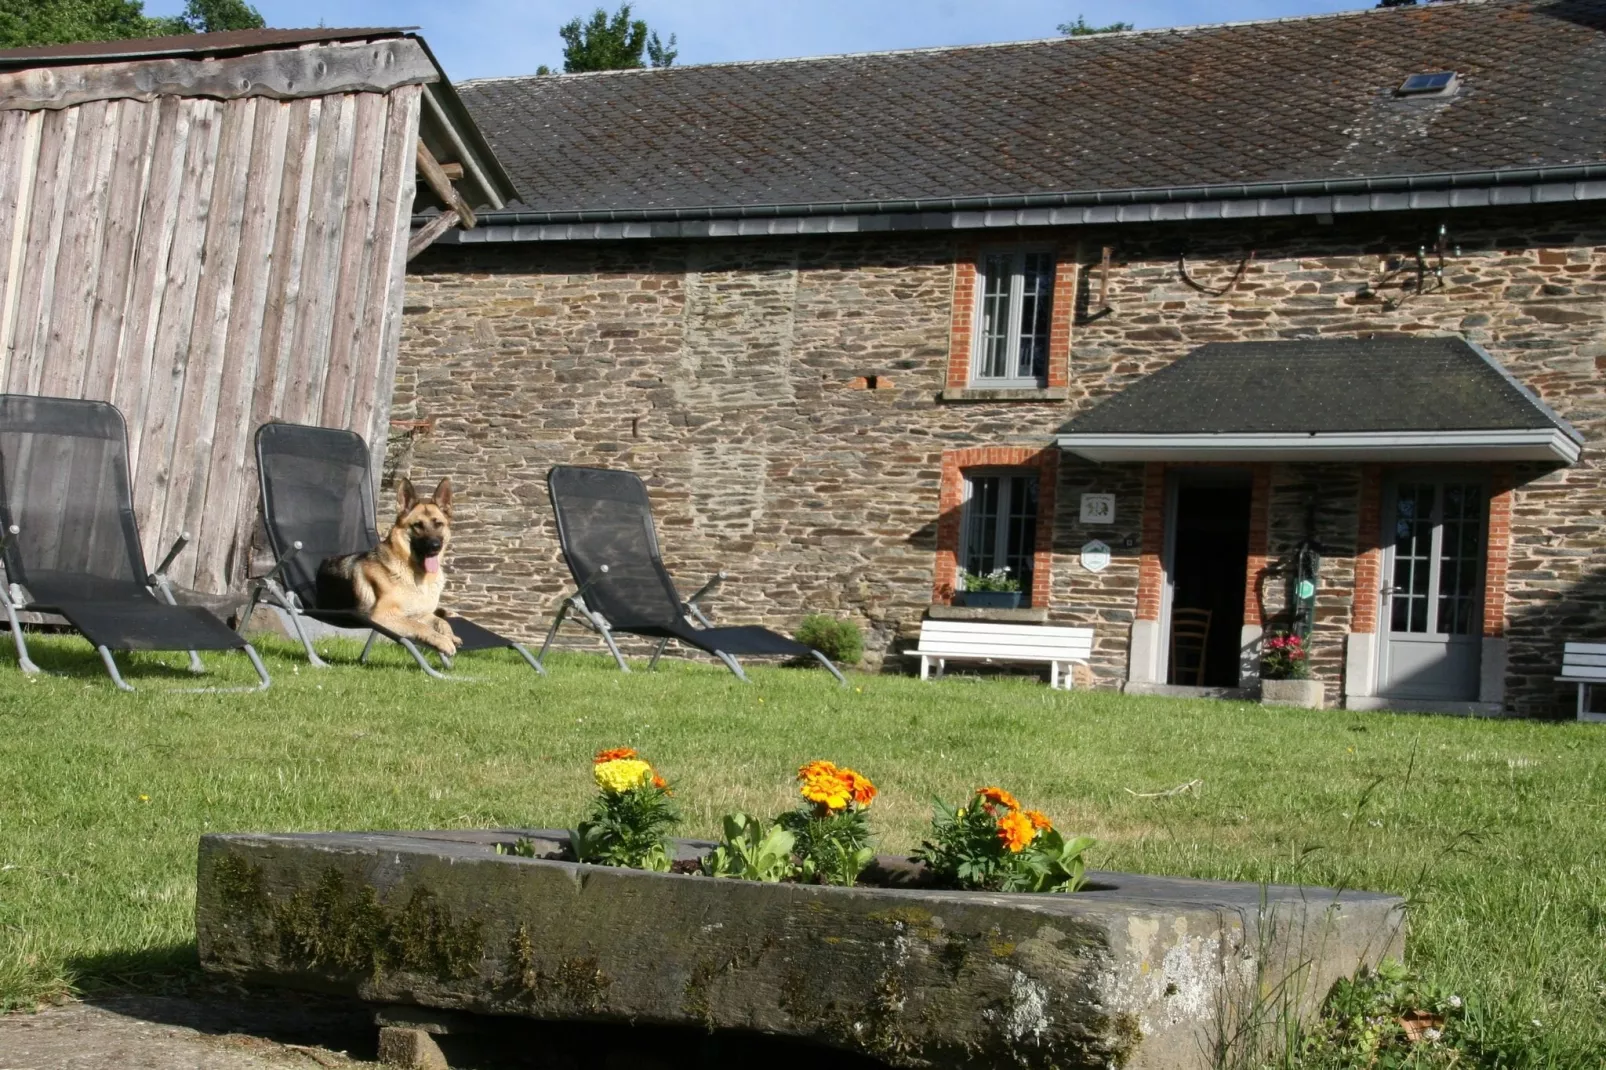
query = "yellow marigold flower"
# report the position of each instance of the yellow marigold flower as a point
(621, 775)
(1016, 830)
(998, 797)
(827, 790)
(613, 755)
(1039, 820)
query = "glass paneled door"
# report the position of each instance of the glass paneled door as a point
(1432, 605)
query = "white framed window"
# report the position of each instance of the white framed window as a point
(998, 529)
(1016, 287)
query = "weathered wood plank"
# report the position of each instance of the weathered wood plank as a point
(435, 177)
(19, 159)
(426, 234)
(287, 74)
(73, 301)
(176, 324)
(44, 245)
(136, 345)
(115, 284)
(214, 526)
(357, 243)
(279, 316)
(405, 109)
(321, 263)
(203, 360)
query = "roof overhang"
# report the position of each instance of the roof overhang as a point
(1554, 445)
(1324, 198)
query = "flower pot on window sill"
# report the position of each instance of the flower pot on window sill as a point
(1306, 693)
(988, 599)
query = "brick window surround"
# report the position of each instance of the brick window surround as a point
(962, 331)
(950, 504)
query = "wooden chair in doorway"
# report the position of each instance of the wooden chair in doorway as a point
(1190, 635)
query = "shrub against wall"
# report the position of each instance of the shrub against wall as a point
(838, 640)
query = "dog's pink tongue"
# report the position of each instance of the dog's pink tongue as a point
(432, 564)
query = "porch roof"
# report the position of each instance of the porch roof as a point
(1380, 399)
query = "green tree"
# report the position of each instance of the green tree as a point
(614, 42)
(213, 16)
(1080, 28)
(52, 22)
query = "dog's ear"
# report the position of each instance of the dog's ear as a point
(406, 496)
(443, 495)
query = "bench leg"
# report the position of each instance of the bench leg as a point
(942, 667)
(1583, 697)
(925, 667)
(1053, 676)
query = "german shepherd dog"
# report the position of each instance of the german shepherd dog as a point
(398, 583)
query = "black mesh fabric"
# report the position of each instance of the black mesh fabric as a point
(605, 518)
(316, 490)
(64, 483)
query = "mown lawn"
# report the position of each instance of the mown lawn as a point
(1493, 828)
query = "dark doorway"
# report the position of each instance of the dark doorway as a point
(1209, 558)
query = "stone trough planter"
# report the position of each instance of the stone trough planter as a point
(1141, 972)
(1306, 693)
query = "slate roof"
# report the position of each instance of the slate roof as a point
(1315, 386)
(1292, 99)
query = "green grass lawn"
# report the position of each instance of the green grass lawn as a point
(1493, 828)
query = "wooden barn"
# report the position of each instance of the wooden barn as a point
(211, 231)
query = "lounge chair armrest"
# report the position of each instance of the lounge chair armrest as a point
(280, 565)
(708, 588)
(179, 543)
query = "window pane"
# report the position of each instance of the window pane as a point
(1459, 558)
(1021, 539)
(981, 524)
(1413, 545)
(993, 350)
(1037, 297)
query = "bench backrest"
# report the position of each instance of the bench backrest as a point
(963, 638)
(1585, 661)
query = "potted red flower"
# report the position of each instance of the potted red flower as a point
(1285, 672)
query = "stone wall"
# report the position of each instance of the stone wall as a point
(736, 376)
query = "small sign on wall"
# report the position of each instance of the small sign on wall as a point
(1098, 508)
(1095, 556)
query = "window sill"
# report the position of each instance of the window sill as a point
(988, 393)
(1022, 615)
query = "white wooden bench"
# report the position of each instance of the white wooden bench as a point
(942, 641)
(1584, 664)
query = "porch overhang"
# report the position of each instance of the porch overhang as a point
(1554, 445)
(1382, 399)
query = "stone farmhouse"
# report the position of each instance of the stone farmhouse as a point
(1288, 324)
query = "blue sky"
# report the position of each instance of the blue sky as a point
(484, 38)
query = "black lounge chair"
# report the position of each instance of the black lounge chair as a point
(605, 528)
(318, 502)
(71, 546)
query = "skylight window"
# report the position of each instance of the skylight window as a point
(1441, 82)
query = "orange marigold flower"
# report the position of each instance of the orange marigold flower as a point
(998, 797)
(613, 755)
(660, 783)
(817, 768)
(1039, 820)
(858, 786)
(1016, 830)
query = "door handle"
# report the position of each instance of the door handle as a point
(1387, 592)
